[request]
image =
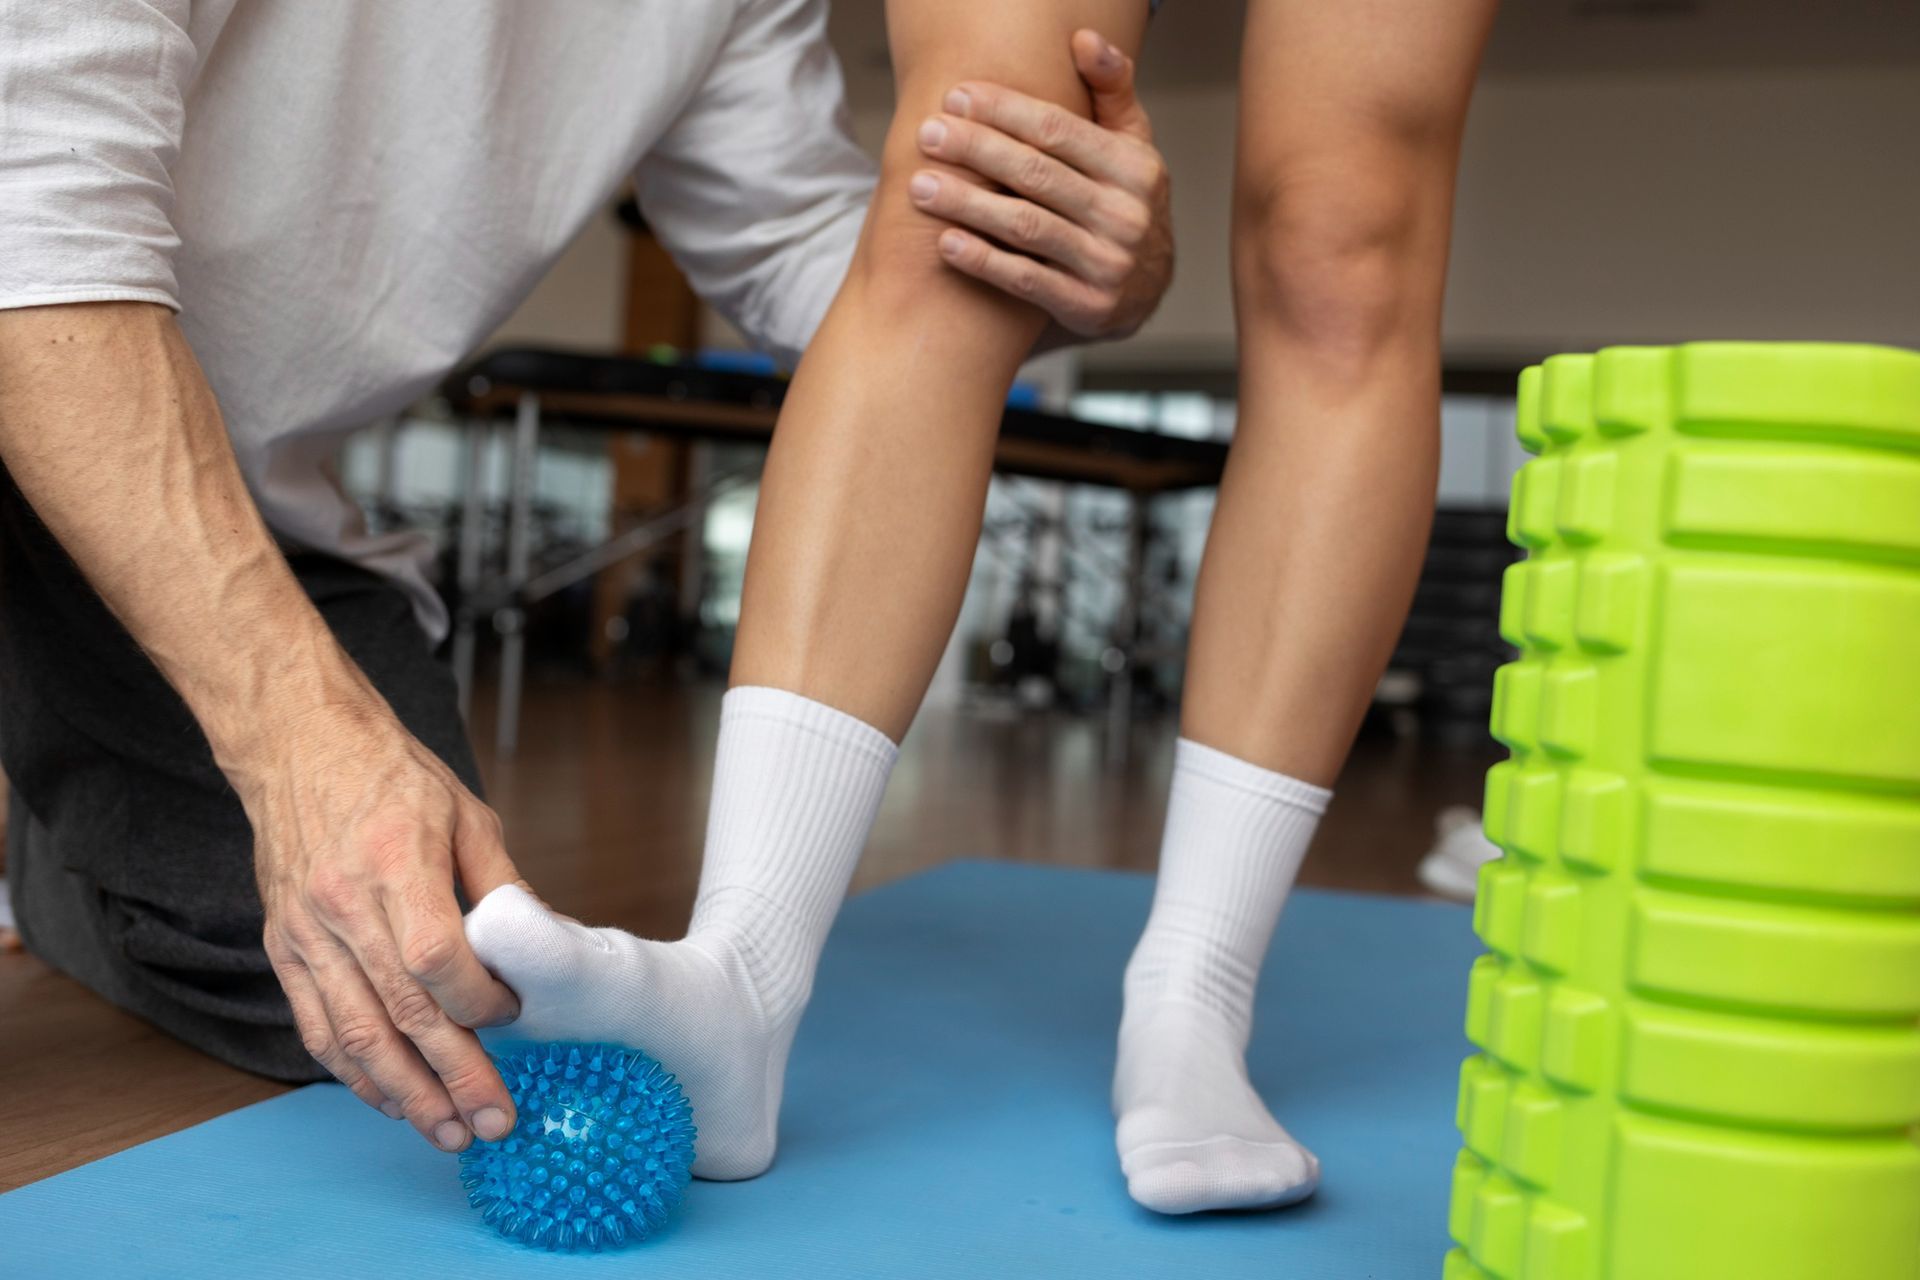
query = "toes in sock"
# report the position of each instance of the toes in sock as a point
(1192, 1134)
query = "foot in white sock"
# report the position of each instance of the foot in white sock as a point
(1192, 1133)
(690, 1004)
(796, 787)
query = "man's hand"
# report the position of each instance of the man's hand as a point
(1078, 220)
(360, 833)
(108, 426)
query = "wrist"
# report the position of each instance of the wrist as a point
(294, 699)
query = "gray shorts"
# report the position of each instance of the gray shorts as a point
(130, 860)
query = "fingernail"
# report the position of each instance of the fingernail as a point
(924, 186)
(951, 244)
(391, 1110)
(490, 1123)
(958, 101)
(933, 133)
(1109, 56)
(449, 1135)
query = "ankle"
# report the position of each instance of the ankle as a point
(1190, 972)
(1184, 1019)
(777, 981)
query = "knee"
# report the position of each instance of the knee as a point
(1343, 267)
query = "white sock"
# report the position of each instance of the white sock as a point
(1192, 1133)
(796, 786)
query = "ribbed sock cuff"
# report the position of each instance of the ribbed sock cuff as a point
(1206, 762)
(759, 702)
(796, 787)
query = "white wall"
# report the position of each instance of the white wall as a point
(1614, 208)
(1592, 208)
(1650, 208)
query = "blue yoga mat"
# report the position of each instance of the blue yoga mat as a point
(946, 1116)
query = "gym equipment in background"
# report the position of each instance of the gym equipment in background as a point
(1700, 1014)
(539, 388)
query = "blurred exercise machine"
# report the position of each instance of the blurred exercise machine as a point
(533, 388)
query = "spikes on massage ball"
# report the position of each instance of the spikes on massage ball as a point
(599, 1156)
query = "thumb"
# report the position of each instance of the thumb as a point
(480, 855)
(1108, 73)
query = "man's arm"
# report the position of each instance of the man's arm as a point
(108, 427)
(111, 432)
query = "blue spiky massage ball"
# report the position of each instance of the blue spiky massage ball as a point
(599, 1156)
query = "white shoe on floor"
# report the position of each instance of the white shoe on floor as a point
(1452, 868)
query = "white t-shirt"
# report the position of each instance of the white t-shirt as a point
(343, 197)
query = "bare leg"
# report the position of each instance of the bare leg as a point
(871, 504)
(867, 523)
(1350, 125)
(1350, 122)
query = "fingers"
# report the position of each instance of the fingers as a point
(1044, 126)
(1108, 74)
(465, 1074)
(1096, 195)
(1102, 151)
(438, 1077)
(1002, 159)
(316, 1035)
(367, 1038)
(1019, 224)
(357, 862)
(433, 951)
(1076, 304)
(375, 930)
(437, 947)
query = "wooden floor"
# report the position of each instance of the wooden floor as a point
(604, 809)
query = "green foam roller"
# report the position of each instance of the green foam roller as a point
(1698, 1018)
